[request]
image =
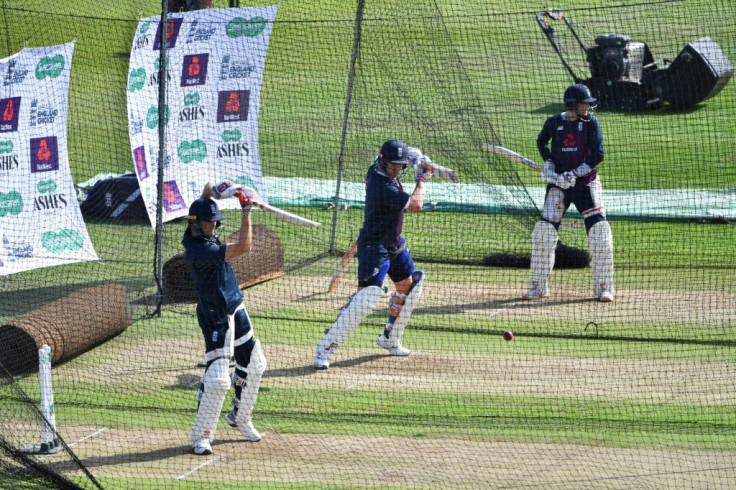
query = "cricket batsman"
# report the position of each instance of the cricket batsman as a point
(382, 251)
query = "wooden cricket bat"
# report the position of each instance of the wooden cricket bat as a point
(444, 173)
(294, 219)
(511, 155)
(226, 189)
(342, 266)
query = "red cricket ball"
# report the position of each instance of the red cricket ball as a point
(508, 335)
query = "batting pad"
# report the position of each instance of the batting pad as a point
(263, 262)
(69, 326)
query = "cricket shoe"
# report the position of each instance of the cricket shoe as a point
(322, 359)
(246, 428)
(202, 447)
(535, 293)
(395, 348)
(606, 296)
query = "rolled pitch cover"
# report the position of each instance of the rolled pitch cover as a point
(70, 326)
(264, 261)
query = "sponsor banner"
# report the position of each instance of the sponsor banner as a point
(214, 68)
(41, 224)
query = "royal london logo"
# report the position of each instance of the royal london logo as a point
(50, 66)
(41, 114)
(11, 204)
(15, 73)
(245, 27)
(190, 151)
(152, 116)
(58, 242)
(136, 79)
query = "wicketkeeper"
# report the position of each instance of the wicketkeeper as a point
(570, 170)
(382, 251)
(223, 319)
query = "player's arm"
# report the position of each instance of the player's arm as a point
(207, 191)
(245, 237)
(416, 201)
(544, 137)
(595, 144)
(423, 173)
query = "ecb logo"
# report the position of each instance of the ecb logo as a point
(9, 113)
(232, 105)
(194, 69)
(15, 74)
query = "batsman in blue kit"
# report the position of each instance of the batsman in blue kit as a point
(571, 144)
(223, 319)
(382, 251)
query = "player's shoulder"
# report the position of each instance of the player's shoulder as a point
(555, 119)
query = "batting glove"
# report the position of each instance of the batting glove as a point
(245, 202)
(423, 169)
(225, 189)
(548, 172)
(565, 180)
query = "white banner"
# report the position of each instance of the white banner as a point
(40, 222)
(215, 62)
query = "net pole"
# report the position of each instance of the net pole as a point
(158, 260)
(341, 158)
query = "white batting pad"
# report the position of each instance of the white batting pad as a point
(544, 241)
(216, 385)
(411, 300)
(361, 305)
(600, 243)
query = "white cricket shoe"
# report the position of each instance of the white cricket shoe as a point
(395, 348)
(202, 447)
(322, 359)
(606, 296)
(535, 293)
(246, 428)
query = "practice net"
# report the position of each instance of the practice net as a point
(634, 393)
